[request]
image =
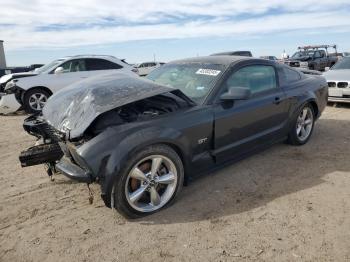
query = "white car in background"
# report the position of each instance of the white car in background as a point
(147, 67)
(338, 78)
(32, 90)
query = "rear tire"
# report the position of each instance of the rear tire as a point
(136, 194)
(302, 127)
(34, 100)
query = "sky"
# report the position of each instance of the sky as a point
(39, 31)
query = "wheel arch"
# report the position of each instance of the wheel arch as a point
(135, 142)
(307, 100)
(35, 87)
(310, 101)
(314, 107)
(180, 152)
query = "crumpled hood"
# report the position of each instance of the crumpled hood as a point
(8, 77)
(338, 75)
(74, 108)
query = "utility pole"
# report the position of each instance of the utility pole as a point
(2, 55)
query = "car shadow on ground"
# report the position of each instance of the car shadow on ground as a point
(261, 178)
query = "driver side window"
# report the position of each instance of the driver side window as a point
(257, 78)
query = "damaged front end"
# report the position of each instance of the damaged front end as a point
(82, 126)
(52, 150)
(48, 151)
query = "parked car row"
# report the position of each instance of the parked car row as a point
(142, 138)
(32, 89)
(32, 92)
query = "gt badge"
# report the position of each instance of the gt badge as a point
(202, 140)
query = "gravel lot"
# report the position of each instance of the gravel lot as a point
(284, 204)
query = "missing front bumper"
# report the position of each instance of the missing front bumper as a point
(41, 154)
(58, 154)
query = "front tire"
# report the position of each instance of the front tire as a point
(302, 127)
(149, 182)
(34, 100)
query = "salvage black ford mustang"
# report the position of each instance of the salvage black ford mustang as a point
(141, 139)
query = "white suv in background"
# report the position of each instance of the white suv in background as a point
(33, 90)
(147, 67)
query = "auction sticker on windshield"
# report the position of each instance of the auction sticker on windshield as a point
(209, 72)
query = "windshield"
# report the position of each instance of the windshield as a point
(342, 64)
(193, 79)
(48, 66)
(303, 53)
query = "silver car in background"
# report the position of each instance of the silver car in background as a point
(338, 78)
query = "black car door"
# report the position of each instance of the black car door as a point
(244, 125)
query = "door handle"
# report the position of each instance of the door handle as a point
(277, 100)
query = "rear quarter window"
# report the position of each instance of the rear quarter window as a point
(291, 75)
(101, 64)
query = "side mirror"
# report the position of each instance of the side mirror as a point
(326, 68)
(236, 93)
(59, 70)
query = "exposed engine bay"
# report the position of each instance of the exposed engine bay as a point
(137, 111)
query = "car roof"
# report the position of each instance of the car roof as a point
(89, 56)
(237, 52)
(223, 59)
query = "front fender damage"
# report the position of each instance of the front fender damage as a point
(118, 151)
(98, 154)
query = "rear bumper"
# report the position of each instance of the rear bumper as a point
(9, 104)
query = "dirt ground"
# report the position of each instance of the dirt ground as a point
(284, 204)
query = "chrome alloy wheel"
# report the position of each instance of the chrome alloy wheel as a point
(305, 122)
(37, 101)
(151, 183)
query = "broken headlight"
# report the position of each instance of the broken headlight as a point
(10, 87)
